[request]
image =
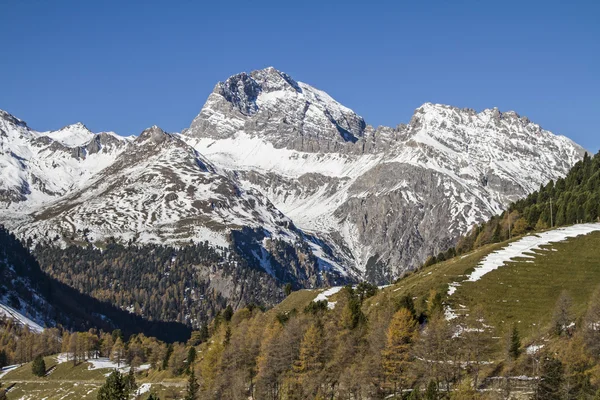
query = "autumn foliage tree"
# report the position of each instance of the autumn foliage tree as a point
(397, 355)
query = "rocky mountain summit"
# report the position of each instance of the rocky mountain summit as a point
(274, 167)
(384, 198)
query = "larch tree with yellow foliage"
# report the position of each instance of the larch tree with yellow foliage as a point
(396, 356)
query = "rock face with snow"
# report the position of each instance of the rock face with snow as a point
(383, 198)
(271, 163)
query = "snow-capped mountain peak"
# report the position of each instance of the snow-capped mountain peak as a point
(273, 160)
(71, 135)
(385, 196)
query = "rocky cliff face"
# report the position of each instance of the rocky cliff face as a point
(286, 175)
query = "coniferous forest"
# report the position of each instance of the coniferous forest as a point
(161, 283)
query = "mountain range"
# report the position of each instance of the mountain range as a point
(279, 172)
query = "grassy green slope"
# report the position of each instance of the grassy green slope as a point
(524, 291)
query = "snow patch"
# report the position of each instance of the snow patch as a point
(326, 294)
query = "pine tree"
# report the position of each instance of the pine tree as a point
(191, 358)
(287, 289)
(415, 394)
(153, 397)
(118, 352)
(204, 335)
(3, 359)
(192, 387)
(38, 367)
(435, 306)
(311, 350)
(227, 336)
(113, 388)
(465, 391)
(228, 313)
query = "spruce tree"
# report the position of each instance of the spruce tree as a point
(130, 384)
(113, 388)
(514, 344)
(192, 387)
(551, 379)
(38, 367)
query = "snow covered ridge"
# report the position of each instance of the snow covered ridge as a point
(326, 169)
(267, 151)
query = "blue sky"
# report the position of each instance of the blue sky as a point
(126, 65)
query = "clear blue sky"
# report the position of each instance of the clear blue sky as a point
(126, 65)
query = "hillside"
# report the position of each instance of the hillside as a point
(451, 321)
(36, 300)
(341, 342)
